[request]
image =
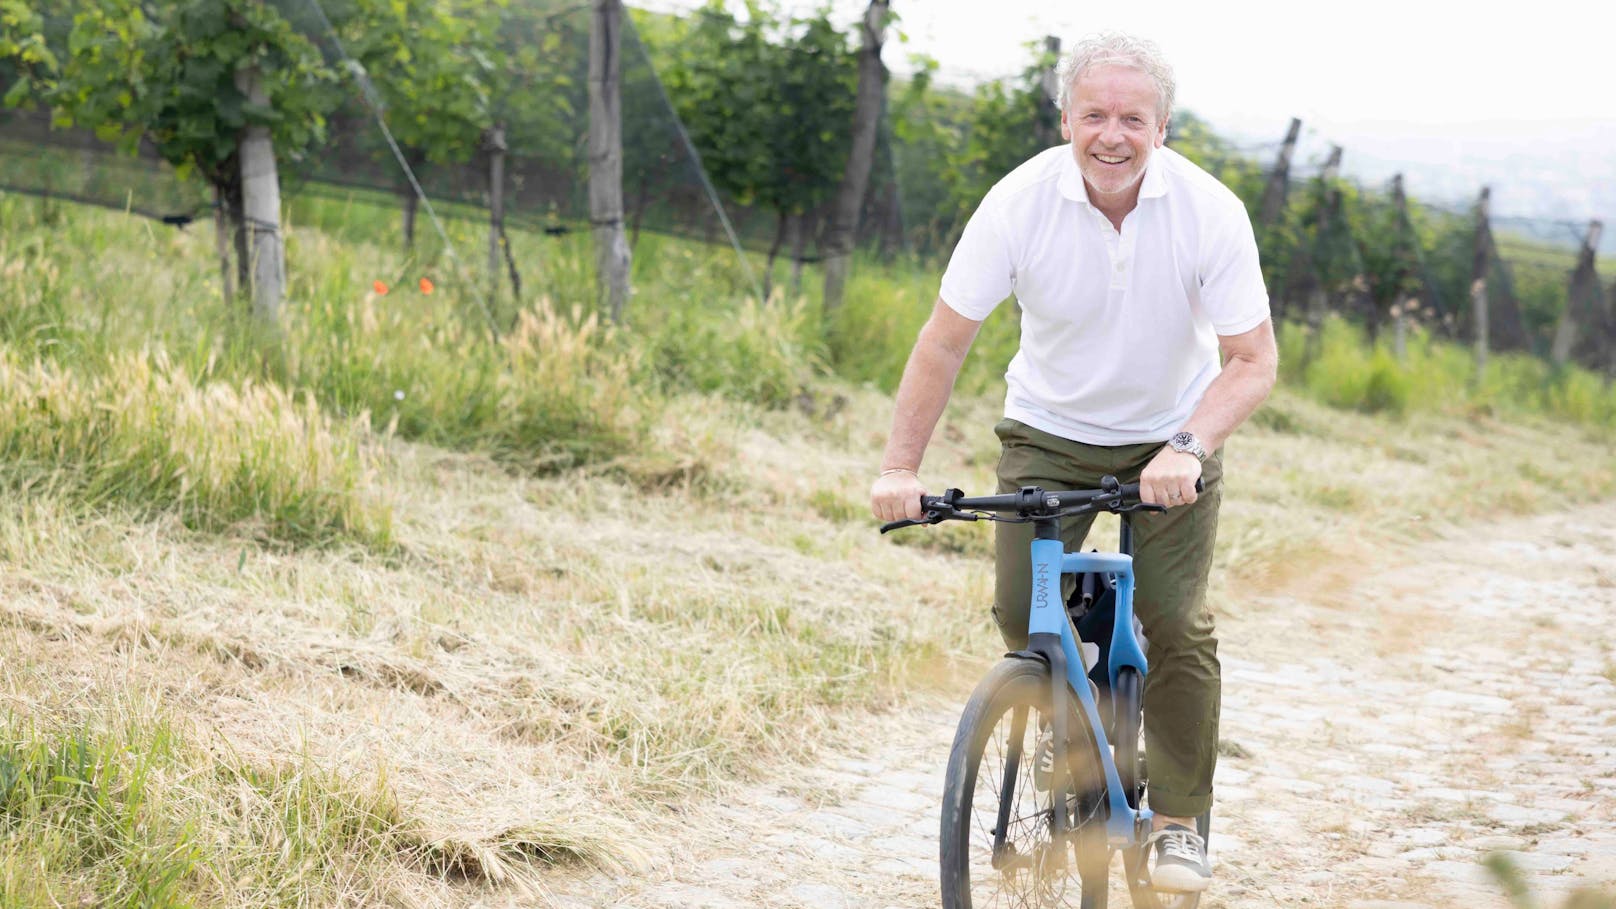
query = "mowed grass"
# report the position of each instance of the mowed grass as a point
(611, 572)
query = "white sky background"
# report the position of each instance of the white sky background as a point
(1459, 93)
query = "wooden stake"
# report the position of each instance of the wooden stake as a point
(221, 241)
(1582, 304)
(412, 204)
(496, 205)
(1273, 201)
(838, 245)
(1317, 298)
(1478, 283)
(261, 206)
(1049, 115)
(606, 156)
(1400, 325)
(1406, 227)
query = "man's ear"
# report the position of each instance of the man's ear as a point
(1161, 135)
(1066, 129)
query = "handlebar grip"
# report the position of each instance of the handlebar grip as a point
(1131, 490)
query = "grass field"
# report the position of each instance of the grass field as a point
(394, 612)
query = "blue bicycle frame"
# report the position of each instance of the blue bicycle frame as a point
(1048, 628)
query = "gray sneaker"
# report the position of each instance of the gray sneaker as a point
(1180, 860)
(1043, 760)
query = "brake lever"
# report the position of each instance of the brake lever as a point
(933, 516)
(1138, 506)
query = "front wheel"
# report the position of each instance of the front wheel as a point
(993, 773)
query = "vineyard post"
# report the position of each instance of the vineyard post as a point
(1478, 282)
(221, 242)
(496, 205)
(799, 247)
(1582, 301)
(412, 204)
(1272, 209)
(1316, 300)
(1610, 338)
(1273, 200)
(261, 205)
(1049, 117)
(838, 244)
(1403, 300)
(606, 156)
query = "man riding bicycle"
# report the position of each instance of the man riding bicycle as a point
(1145, 342)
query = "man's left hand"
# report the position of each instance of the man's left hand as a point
(1169, 478)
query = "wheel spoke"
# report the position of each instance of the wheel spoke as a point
(1032, 872)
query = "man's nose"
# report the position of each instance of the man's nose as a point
(1111, 134)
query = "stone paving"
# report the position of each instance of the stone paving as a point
(1379, 739)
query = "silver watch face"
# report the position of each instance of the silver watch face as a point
(1186, 442)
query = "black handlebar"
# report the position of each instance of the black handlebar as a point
(1031, 503)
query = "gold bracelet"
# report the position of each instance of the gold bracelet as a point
(890, 470)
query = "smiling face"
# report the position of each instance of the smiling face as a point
(1113, 122)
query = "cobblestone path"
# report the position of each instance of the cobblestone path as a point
(1383, 731)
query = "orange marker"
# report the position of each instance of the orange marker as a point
(427, 286)
(380, 288)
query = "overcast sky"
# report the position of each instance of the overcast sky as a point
(1371, 60)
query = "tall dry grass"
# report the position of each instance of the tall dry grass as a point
(143, 434)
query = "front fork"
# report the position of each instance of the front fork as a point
(1007, 788)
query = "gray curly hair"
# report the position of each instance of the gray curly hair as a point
(1118, 49)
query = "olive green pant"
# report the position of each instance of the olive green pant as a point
(1172, 557)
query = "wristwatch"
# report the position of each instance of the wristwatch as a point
(1186, 441)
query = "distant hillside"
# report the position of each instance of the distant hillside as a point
(1553, 172)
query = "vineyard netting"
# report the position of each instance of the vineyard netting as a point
(539, 99)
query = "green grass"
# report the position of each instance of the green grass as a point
(80, 815)
(109, 810)
(1342, 370)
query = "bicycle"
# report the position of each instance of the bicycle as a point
(1086, 793)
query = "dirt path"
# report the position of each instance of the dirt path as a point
(1383, 730)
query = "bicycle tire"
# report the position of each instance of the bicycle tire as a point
(971, 802)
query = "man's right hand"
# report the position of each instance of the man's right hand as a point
(896, 496)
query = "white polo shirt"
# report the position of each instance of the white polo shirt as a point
(1118, 330)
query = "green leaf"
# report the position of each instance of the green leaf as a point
(16, 95)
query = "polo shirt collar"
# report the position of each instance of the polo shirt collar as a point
(1153, 184)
